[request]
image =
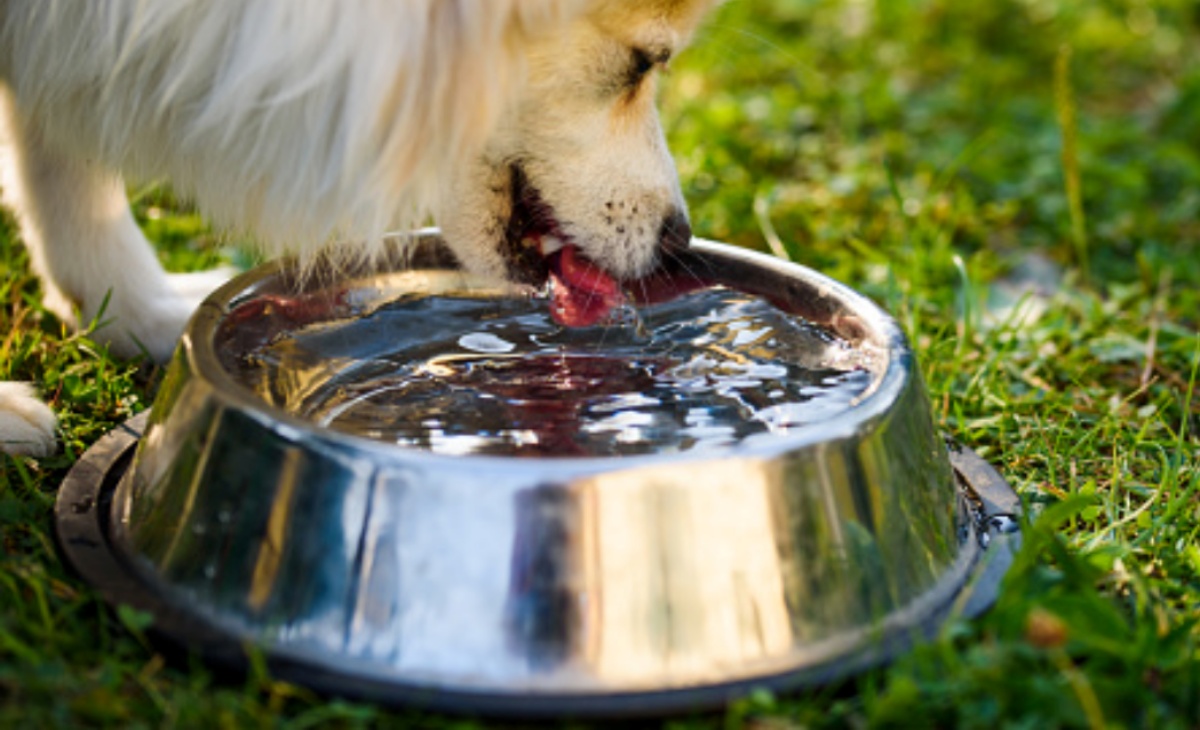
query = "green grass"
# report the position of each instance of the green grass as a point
(930, 153)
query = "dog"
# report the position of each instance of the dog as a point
(526, 128)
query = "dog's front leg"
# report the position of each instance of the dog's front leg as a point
(89, 253)
(86, 247)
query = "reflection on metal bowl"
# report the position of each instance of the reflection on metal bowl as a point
(591, 583)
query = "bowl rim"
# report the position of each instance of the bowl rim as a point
(872, 406)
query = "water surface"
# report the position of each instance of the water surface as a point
(468, 375)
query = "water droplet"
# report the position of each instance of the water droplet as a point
(1004, 523)
(485, 342)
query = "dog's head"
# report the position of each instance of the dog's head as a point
(577, 182)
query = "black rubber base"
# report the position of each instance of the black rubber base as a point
(82, 515)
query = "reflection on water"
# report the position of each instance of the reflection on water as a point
(463, 375)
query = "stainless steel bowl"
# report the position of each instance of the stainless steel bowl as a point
(536, 586)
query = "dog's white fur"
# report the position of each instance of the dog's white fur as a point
(306, 121)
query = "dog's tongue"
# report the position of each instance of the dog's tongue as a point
(583, 293)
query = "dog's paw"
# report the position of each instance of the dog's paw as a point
(146, 326)
(27, 425)
(195, 286)
(142, 322)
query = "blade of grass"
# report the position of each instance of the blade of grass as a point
(1064, 97)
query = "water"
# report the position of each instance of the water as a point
(463, 375)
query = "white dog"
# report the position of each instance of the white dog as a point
(527, 128)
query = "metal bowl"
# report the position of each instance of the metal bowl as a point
(535, 586)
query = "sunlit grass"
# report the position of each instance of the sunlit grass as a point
(915, 151)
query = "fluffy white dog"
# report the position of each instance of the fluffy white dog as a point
(527, 128)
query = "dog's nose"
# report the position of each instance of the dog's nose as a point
(675, 233)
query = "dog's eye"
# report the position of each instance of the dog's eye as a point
(643, 62)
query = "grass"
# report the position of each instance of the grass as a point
(949, 159)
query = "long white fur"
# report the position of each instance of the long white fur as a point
(308, 121)
(300, 120)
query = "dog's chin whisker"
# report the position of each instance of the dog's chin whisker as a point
(687, 270)
(605, 328)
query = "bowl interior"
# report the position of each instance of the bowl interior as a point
(457, 370)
